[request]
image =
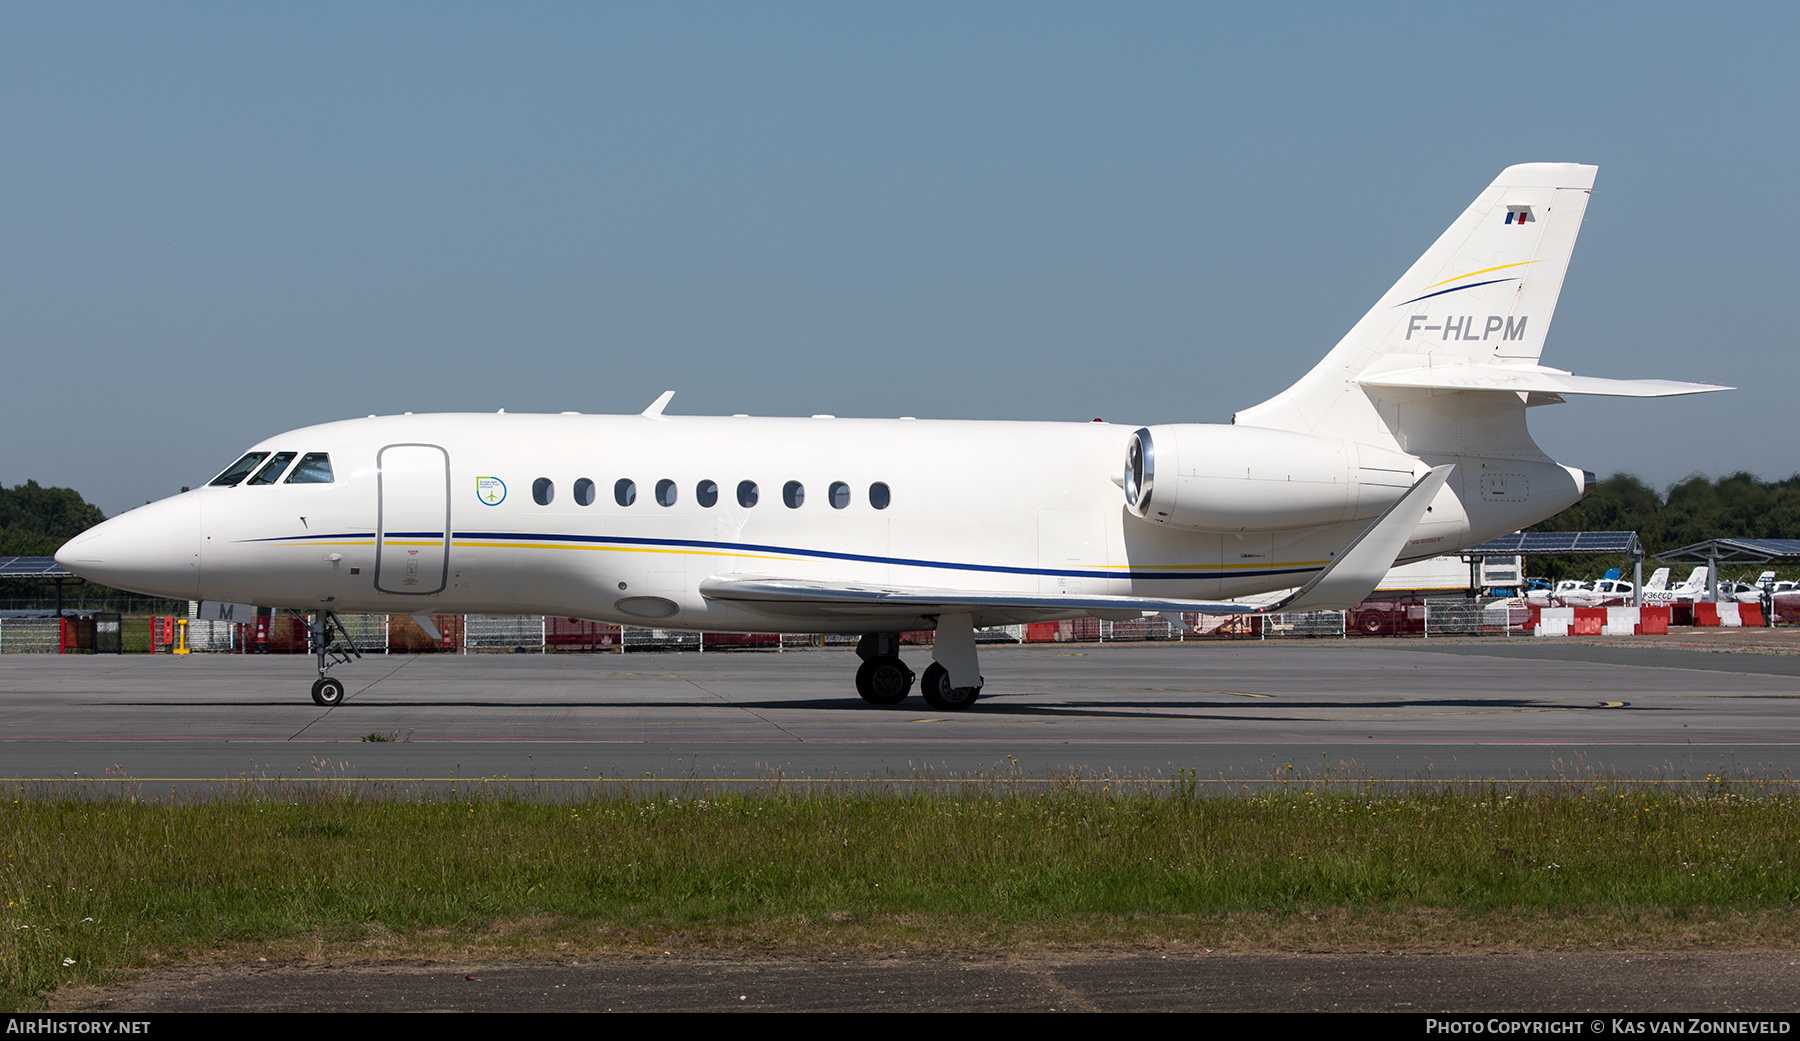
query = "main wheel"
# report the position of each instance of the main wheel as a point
(884, 681)
(328, 691)
(939, 694)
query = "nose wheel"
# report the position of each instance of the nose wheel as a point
(328, 691)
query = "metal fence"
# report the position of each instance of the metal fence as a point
(535, 634)
(30, 635)
(1306, 623)
(499, 632)
(1487, 616)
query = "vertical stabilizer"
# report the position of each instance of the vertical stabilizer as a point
(1482, 295)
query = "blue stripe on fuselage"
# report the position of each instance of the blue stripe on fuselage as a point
(752, 547)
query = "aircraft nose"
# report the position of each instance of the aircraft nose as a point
(153, 549)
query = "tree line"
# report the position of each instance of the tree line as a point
(1695, 509)
(1738, 505)
(34, 522)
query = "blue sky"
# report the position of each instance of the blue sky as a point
(222, 221)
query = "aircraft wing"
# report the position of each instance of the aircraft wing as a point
(809, 598)
(1351, 576)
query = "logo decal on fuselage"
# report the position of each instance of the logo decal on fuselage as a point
(490, 490)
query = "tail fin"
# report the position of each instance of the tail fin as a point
(1484, 293)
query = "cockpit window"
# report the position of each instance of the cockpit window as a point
(272, 472)
(314, 468)
(239, 470)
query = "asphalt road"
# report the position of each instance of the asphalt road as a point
(1225, 713)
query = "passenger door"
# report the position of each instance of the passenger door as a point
(412, 540)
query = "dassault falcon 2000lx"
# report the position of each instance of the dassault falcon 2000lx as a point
(1408, 440)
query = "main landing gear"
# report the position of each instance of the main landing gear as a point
(883, 678)
(329, 641)
(951, 683)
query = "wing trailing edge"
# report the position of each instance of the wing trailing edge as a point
(1345, 582)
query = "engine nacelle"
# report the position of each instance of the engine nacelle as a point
(1206, 477)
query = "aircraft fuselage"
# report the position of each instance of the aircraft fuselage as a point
(484, 513)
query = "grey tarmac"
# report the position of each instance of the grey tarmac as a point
(1225, 714)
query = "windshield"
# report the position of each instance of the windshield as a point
(239, 470)
(314, 468)
(270, 473)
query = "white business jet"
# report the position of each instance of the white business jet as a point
(1407, 441)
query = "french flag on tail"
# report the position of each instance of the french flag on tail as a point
(1519, 214)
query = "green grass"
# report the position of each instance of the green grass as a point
(93, 886)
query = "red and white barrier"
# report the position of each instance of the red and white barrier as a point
(1725, 614)
(1554, 621)
(1622, 621)
(1638, 621)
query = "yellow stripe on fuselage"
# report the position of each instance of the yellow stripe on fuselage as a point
(1124, 569)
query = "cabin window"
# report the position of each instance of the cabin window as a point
(706, 493)
(746, 494)
(879, 495)
(314, 468)
(272, 472)
(839, 496)
(793, 493)
(239, 470)
(584, 492)
(625, 492)
(543, 490)
(665, 492)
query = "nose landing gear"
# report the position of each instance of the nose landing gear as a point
(329, 640)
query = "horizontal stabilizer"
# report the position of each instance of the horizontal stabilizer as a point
(1529, 379)
(1355, 572)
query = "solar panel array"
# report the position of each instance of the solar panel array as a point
(32, 567)
(1557, 544)
(1759, 550)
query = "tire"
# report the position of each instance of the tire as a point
(1371, 624)
(328, 691)
(939, 694)
(884, 681)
